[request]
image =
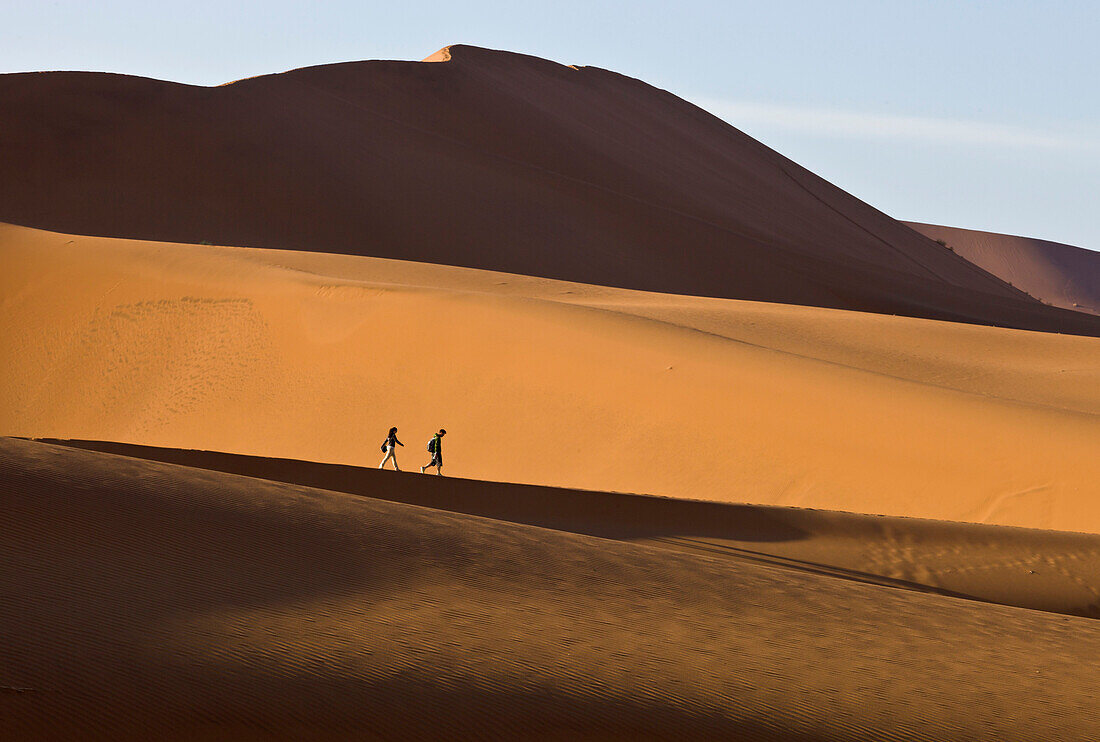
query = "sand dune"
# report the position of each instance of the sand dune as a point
(154, 601)
(488, 160)
(313, 357)
(830, 420)
(1044, 570)
(1060, 275)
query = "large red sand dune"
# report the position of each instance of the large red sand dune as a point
(485, 159)
(141, 601)
(1060, 275)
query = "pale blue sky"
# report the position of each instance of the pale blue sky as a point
(975, 114)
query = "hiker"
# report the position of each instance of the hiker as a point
(435, 448)
(390, 447)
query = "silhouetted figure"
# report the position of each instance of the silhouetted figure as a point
(435, 448)
(390, 447)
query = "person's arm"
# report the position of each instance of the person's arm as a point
(397, 441)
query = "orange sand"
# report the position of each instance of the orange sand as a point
(315, 356)
(415, 217)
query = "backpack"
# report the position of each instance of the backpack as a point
(431, 445)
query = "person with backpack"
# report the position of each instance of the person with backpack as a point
(435, 448)
(389, 447)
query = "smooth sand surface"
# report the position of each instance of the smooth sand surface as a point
(1045, 570)
(314, 357)
(488, 160)
(143, 600)
(1060, 275)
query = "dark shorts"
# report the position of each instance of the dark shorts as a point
(437, 460)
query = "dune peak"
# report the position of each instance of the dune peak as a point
(443, 55)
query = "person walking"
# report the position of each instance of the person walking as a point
(390, 447)
(435, 448)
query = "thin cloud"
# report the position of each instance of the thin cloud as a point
(856, 124)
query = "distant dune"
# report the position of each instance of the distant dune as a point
(488, 160)
(148, 601)
(314, 356)
(1060, 275)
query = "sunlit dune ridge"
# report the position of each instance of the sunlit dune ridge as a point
(314, 357)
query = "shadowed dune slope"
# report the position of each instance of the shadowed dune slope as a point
(1046, 570)
(148, 601)
(1061, 275)
(313, 357)
(485, 159)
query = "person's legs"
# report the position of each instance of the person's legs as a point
(390, 454)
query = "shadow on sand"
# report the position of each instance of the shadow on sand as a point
(821, 542)
(613, 515)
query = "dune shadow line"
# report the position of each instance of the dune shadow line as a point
(609, 515)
